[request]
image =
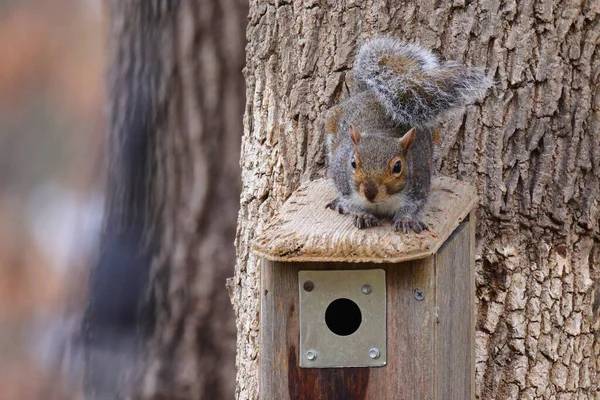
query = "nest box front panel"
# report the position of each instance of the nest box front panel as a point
(342, 318)
(409, 326)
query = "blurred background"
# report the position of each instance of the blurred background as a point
(52, 103)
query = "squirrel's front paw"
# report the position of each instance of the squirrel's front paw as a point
(365, 221)
(407, 224)
(336, 204)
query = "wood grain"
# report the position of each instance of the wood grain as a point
(304, 230)
(455, 300)
(410, 371)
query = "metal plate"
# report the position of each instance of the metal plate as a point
(357, 341)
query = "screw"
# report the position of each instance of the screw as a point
(311, 355)
(374, 353)
(366, 289)
(308, 286)
(419, 294)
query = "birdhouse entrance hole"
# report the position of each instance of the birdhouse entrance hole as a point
(343, 317)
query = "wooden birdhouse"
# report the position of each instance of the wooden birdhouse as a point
(372, 313)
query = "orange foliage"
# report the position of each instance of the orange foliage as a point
(51, 69)
(54, 47)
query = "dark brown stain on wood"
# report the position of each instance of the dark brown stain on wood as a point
(325, 383)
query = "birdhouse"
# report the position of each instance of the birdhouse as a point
(351, 313)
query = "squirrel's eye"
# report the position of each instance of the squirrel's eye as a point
(397, 167)
(353, 163)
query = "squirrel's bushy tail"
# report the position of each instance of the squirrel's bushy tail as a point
(413, 84)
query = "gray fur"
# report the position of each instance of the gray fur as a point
(394, 101)
(422, 92)
(378, 145)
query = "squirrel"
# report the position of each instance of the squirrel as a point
(380, 143)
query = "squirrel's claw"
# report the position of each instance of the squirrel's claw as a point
(406, 225)
(365, 221)
(336, 205)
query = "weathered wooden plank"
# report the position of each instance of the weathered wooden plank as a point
(409, 373)
(304, 230)
(472, 298)
(454, 265)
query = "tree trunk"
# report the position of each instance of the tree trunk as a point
(159, 322)
(532, 147)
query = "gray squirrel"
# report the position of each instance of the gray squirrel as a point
(381, 138)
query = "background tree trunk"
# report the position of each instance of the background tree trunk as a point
(532, 148)
(159, 322)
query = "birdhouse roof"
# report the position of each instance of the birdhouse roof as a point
(303, 230)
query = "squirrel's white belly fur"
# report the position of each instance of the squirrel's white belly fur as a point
(385, 208)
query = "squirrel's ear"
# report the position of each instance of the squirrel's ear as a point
(354, 135)
(406, 140)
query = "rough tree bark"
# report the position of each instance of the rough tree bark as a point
(532, 147)
(159, 322)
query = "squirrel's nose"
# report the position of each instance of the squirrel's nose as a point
(370, 191)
